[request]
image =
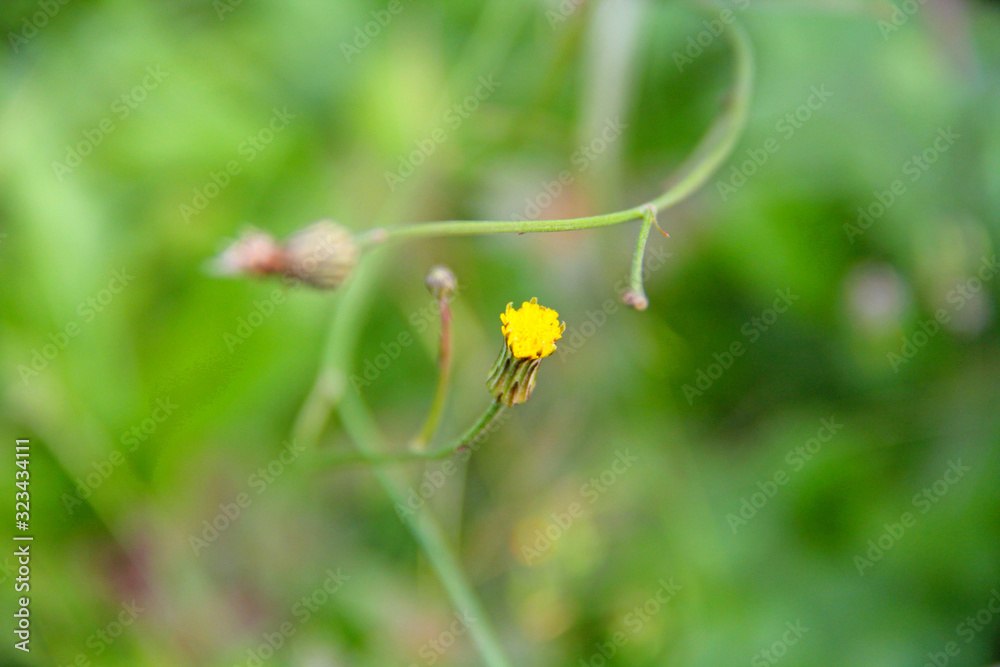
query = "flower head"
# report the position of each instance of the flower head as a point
(529, 334)
(531, 331)
(322, 255)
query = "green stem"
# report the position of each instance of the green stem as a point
(636, 295)
(720, 140)
(346, 324)
(444, 378)
(470, 227)
(472, 438)
(714, 148)
(426, 531)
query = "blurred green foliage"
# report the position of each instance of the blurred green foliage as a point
(136, 137)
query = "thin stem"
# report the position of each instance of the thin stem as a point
(470, 227)
(720, 140)
(714, 148)
(444, 379)
(478, 431)
(472, 438)
(636, 294)
(427, 532)
(346, 325)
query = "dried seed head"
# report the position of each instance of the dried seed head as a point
(322, 255)
(254, 253)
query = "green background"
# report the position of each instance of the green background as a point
(563, 72)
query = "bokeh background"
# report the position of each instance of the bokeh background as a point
(136, 138)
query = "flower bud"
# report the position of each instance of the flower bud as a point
(254, 253)
(530, 334)
(322, 255)
(441, 282)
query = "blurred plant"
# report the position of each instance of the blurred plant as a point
(325, 254)
(321, 255)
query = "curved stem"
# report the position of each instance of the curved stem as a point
(427, 532)
(636, 294)
(721, 138)
(714, 148)
(471, 439)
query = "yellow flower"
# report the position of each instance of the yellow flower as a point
(531, 331)
(530, 334)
